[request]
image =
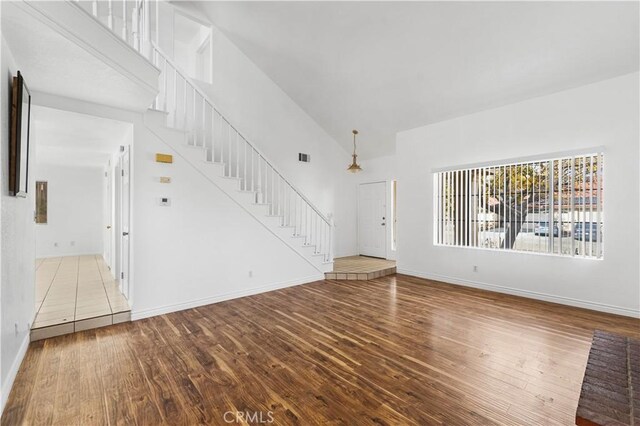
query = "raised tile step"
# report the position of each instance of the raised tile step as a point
(363, 276)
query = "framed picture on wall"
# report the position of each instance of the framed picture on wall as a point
(19, 119)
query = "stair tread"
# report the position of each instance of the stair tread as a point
(157, 110)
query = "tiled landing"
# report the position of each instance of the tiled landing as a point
(360, 268)
(76, 293)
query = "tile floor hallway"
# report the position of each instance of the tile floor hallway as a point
(76, 293)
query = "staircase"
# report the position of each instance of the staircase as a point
(186, 119)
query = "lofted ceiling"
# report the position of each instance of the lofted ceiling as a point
(383, 67)
(72, 139)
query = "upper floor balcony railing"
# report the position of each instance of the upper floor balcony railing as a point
(135, 21)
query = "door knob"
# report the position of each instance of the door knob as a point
(108, 226)
(124, 234)
(383, 224)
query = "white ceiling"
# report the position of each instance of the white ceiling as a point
(383, 67)
(72, 139)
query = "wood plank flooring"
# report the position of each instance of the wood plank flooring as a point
(396, 350)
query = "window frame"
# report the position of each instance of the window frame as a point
(570, 156)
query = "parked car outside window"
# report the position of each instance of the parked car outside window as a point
(542, 228)
(588, 229)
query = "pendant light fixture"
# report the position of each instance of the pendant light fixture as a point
(354, 167)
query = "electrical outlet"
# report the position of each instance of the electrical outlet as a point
(475, 268)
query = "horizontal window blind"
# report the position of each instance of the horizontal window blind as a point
(550, 206)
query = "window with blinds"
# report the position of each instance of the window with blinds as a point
(550, 206)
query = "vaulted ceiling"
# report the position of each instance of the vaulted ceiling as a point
(383, 67)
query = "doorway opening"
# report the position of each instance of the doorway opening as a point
(82, 201)
(192, 47)
(394, 215)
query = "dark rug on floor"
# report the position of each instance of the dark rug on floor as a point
(611, 386)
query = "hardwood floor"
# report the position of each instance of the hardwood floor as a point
(397, 350)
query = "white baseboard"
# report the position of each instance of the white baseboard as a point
(49, 256)
(146, 313)
(13, 371)
(618, 310)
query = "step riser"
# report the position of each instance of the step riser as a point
(360, 276)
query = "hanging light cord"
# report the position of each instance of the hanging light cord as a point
(355, 132)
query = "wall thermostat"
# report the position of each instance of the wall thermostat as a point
(164, 201)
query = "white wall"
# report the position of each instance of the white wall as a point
(200, 249)
(203, 247)
(17, 251)
(281, 129)
(600, 114)
(186, 51)
(75, 213)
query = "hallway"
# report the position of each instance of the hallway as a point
(76, 293)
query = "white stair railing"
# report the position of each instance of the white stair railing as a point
(188, 108)
(191, 110)
(131, 20)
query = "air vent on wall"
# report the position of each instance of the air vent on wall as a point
(305, 158)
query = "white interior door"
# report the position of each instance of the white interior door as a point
(124, 221)
(372, 231)
(108, 222)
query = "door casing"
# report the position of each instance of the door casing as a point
(124, 163)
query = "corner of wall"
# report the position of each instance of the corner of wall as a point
(7, 384)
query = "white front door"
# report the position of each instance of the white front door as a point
(372, 230)
(124, 221)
